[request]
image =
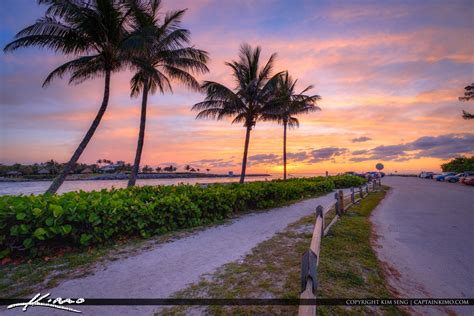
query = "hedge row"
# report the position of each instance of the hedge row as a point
(34, 225)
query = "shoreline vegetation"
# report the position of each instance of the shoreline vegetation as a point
(125, 176)
(35, 226)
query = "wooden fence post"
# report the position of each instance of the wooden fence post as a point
(309, 270)
(353, 200)
(341, 202)
(309, 265)
(337, 205)
(320, 212)
(361, 192)
(367, 188)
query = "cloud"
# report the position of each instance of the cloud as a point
(327, 153)
(360, 152)
(361, 139)
(214, 163)
(442, 147)
(298, 156)
(264, 159)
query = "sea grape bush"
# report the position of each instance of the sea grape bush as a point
(35, 225)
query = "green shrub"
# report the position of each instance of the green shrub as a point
(35, 225)
(460, 164)
(346, 181)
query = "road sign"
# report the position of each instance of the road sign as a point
(379, 166)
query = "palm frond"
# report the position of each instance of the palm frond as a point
(71, 66)
(182, 76)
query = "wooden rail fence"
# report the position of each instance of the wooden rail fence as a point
(310, 260)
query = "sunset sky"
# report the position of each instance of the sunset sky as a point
(389, 73)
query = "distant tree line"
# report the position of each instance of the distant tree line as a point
(459, 164)
(45, 170)
(51, 168)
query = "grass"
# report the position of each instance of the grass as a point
(22, 278)
(348, 269)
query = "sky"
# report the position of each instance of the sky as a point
(389, 74)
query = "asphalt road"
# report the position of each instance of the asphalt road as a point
(426, 238)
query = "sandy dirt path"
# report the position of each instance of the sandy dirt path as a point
(160, 272)
(426, 239)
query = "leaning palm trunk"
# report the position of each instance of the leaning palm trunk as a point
(141, 137)
(284, 149)
(58, 181)
(246, 150)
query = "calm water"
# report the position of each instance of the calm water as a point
(38, 187)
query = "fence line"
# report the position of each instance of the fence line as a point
(310, 260)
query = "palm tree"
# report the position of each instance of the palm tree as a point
(286, 104)
(161, 54)
(254, 88)
(93, 32)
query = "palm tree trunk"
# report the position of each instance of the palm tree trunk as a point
(58, 181)
(284, 150)
(141, 137)
(246, 149)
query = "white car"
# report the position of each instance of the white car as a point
(426, 175)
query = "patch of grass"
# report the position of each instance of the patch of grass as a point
(348, 268)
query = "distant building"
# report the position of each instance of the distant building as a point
(87, 171)
(14, 173)
(108, 169)
(43, 171)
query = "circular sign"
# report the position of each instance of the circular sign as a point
(379, 166)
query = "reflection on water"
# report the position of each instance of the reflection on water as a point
(38, 187)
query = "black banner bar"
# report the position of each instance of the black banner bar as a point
(251, 301)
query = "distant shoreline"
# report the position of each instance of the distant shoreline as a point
(141, 176)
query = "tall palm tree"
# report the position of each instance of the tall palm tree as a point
(161, 55)
(286, 104)
(254, 87)
(93, 32)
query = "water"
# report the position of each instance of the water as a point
(38, 187)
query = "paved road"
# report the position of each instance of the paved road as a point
(170, 267)
(426, 233)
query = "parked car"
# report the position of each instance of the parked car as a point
(469, 181)
(458, 176)
(374, 175)
(442, 176)
(426, 175)
(370, 175)
(466, 175)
